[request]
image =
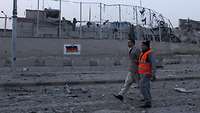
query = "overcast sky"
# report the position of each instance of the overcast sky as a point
(172, 9)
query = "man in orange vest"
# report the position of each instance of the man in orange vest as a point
(146, 70)
(132, 75)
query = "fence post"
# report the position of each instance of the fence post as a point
(120, 20)
(80, 19)
(100, 21)
(38, 17)
(60, 27)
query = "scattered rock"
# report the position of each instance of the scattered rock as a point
(93, 63)
(33, 112)
(108, 111)
(45, 109)
(144, 111)
(182, 90)
(67, 88)
(39, 62)
(72, 95)
(25, 69)
(191, 104)
(84, 90)
(171, 75)
(117, 63)
(159, 67)
(82, 110)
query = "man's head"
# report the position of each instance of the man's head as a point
(131, 41)
(145, 46)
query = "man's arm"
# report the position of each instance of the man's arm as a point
(152, 61)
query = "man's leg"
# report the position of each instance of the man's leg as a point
(137, 80)
(125, 88)
(145, 90)
(128, 82)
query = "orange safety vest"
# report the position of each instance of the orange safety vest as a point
(144, 67)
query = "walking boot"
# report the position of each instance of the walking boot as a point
(120, 97)
(146, 105)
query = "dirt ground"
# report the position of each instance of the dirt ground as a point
(99, 99)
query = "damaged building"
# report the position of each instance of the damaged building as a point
(48, 26)
(189, 31)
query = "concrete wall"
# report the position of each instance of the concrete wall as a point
(49, 52)
(30, 50)
(8, 33)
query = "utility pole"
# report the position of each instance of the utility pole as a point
(90, 14)
(160, 33)
(80, 19)
(100, 21)
(38, 16)
(120, 22)
(140, 3)
(43, 4)
(150, 18)
(60, 32)
(14, 34)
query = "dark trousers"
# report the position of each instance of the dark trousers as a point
(145, 88)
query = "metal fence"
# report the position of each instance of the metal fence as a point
(5, 22)
(91, 19)
(115, 18)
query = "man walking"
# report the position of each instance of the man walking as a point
(146, 70)
(132, 75)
